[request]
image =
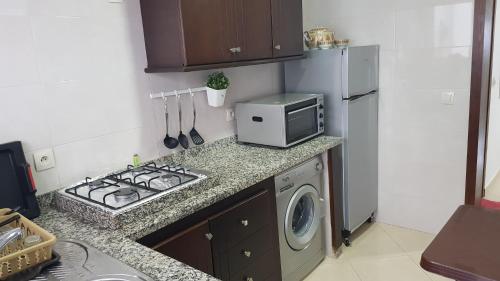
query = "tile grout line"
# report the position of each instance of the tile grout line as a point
(354, 270)
(392, 239)
(407, 254)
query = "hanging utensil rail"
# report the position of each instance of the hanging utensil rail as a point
(176, 93)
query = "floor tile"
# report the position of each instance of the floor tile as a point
(330, 267)
(394, 268)
(415, 257)
(435, 277)
(371, 241)
(409, 240)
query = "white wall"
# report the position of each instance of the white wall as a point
(72, 79)
(425, 50)
(493, 152)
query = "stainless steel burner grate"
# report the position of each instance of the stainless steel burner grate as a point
(132, 186)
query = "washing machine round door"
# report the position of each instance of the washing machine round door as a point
(302, 217)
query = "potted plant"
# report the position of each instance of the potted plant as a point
(217, 85)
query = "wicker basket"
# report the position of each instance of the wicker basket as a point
(15, 257)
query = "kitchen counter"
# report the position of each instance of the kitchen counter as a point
(235, 166)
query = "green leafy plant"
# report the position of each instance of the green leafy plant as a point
(217, 81)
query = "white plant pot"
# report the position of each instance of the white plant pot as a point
(216, 97)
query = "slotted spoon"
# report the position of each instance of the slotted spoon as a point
(195, 136)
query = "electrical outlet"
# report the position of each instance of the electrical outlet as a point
(448, 98)
(229, 114)
(44, 159)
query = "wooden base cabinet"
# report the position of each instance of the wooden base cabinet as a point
(235, 239)
(245, 243)
(191, 246)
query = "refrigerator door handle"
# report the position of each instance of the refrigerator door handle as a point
(355, 97)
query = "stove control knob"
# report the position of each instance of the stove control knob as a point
(321, 106)
(244, 222)
(321, 124)
(321, 115)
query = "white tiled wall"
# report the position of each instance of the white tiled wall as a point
(425, 50)
(71, 78)
(493, 152)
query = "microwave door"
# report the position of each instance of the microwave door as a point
(301, 124)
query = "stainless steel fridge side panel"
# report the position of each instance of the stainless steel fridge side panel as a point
(360, 189)
(342, 73)
(320, 73)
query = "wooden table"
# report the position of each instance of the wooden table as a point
(468, 247)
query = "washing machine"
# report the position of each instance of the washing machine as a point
(300, 210)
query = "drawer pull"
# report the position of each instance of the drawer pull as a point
(247, 253)
(235, 50)
(248, 279)
(244, 222)
(209, 236)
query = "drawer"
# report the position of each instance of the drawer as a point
(250, 250)
(263, 269)
(242, 220)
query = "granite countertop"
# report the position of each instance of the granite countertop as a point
(236, 166)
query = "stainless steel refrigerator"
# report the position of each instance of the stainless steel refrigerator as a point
(349, 79)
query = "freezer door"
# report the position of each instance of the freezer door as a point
(361, 160)
(359, 70)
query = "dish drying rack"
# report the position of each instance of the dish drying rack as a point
(16, 257)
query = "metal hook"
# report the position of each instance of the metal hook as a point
(164, 100)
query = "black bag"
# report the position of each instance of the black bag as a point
(17, 187)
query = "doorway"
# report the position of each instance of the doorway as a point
(483, 151)
(492, 165)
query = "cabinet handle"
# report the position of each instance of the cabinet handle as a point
(277, 47)
(248, 279)
(235, 50)
(209, 236)
(244, 222)
(247, 253)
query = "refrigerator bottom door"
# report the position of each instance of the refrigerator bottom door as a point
(360, 160)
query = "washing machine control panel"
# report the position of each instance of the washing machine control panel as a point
(298, 175)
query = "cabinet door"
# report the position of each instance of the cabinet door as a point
(191, 247)
(287, 28)
(208, 31)
(245, 237)
(254, 32)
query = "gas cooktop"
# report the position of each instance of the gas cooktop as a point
(120, 191)
(80, 261)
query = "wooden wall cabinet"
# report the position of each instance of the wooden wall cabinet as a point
(287, 28)
(186, 35)
(235, 239)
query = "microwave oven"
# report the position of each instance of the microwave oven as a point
(280, 120)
